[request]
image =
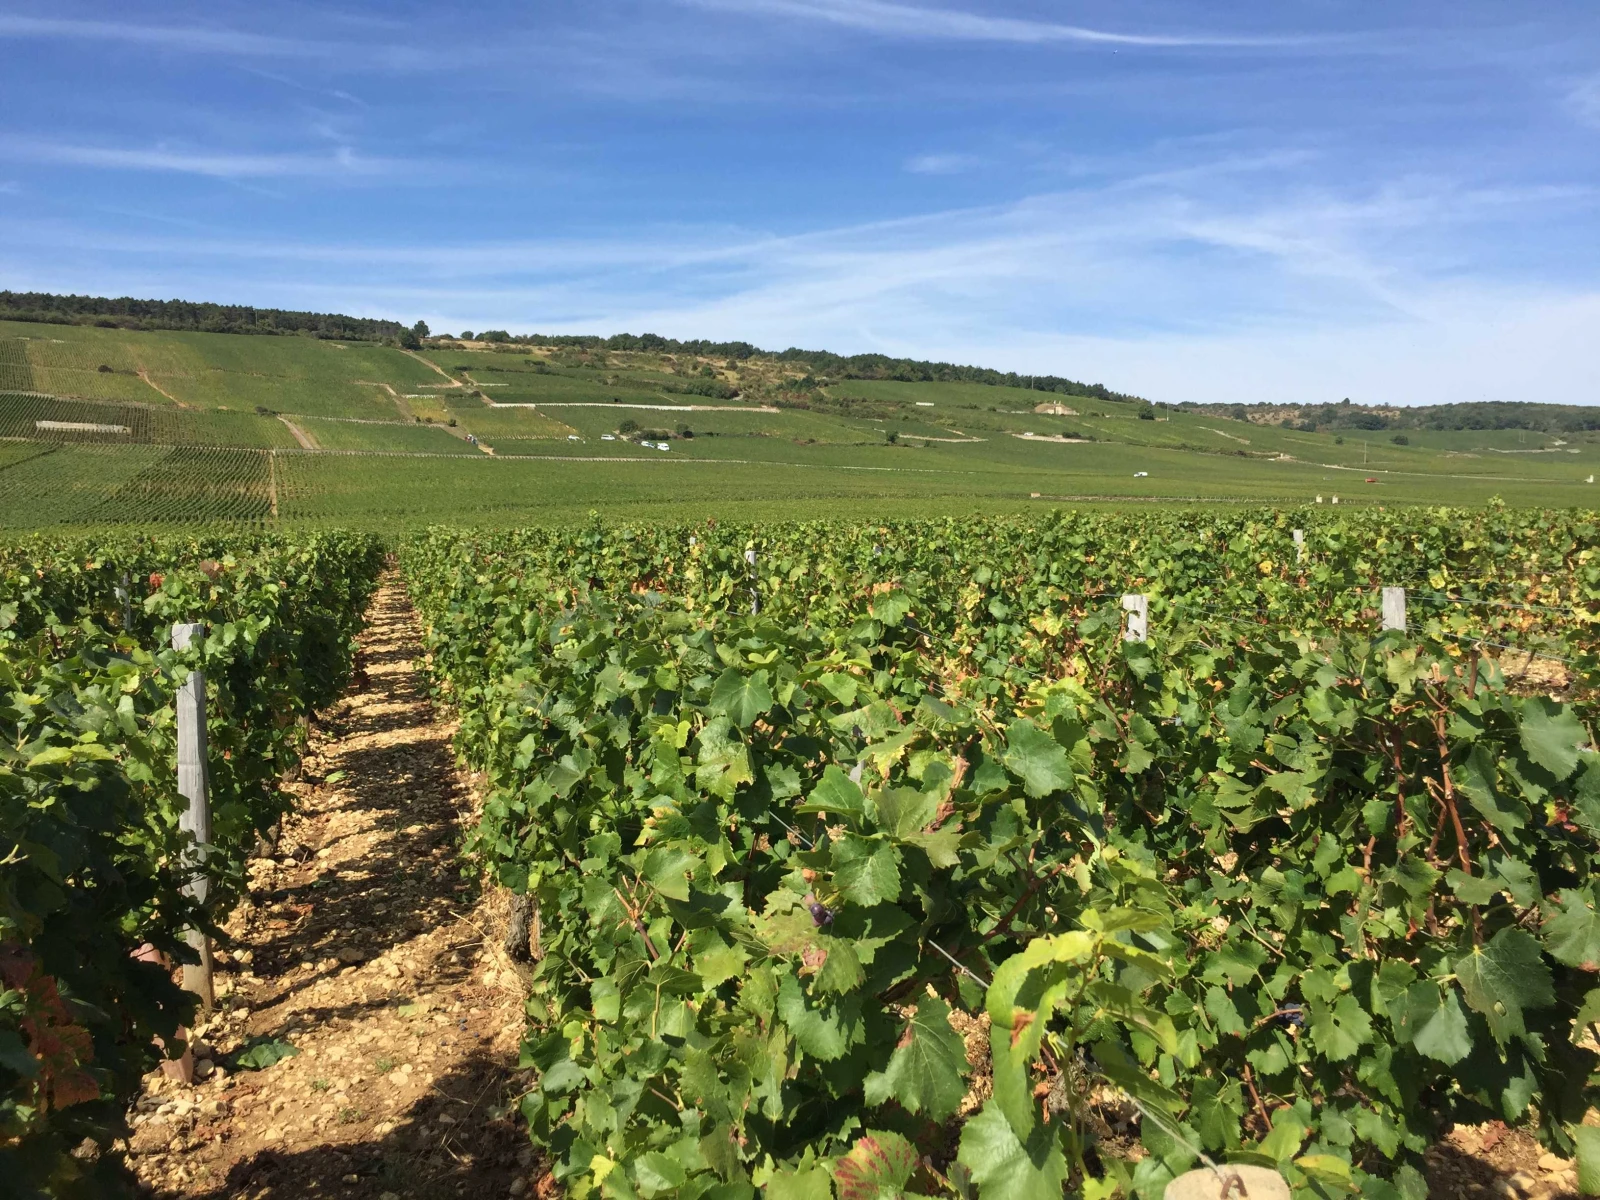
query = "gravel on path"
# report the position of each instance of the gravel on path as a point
(362, 945)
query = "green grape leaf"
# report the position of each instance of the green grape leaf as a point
(1551, 734)
(803, 1183)
(1341, 1028)
(836, 793)
(890, 608)
(1587, 1138)
(901, 812)
(1472, 889)
(742, 698)
(926, 1072)
(667, 869)
(1504, 977)
(263, 1053)
(823, 1031)
(1037, 759)
(658, 1175)
(1588, 1014)
(1005, 1168)
(1432, 1021)
(1572, 931)
(866, 872)
(1476, 778)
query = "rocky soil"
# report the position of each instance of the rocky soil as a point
(363, 948)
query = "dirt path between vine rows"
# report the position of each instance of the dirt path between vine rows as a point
(363, 948)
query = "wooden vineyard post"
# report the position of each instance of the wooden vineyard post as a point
(124, 594)
(755, 595)
(1394, 608)
(192, 787)
(1299, 545)
(1138, 609)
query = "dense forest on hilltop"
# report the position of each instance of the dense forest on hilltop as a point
(127, 313)
(1477, 414)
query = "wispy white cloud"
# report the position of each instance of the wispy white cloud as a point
(173, 37)
(906, 20)
(1182, 284)
(195, 39)
(941, 164)
(333, 93)
(342, 163)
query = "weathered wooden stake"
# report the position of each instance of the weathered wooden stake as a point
(124, 593)
(1138, 609)
(1394, 608)
(755, 596)
(1299, 545)
(197, 818)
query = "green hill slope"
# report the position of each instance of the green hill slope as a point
(162, 425)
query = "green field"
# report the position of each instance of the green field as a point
(389, 437)
(134, 426)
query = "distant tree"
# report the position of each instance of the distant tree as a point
(409, 339)
(1146, 415)
(1400, 439)
(420, 329)
(466, 335)
(1338, 441)
(494, 335)
(893, 436)
(628, 426)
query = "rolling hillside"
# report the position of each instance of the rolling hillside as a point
(119, 424)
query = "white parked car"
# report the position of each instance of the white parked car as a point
(1141, 474)
(572, 437)
(607, 437)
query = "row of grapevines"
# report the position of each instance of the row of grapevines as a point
(94, 861)
(993, 592)
(1333, 827)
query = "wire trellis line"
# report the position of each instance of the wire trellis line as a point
(1476, 641)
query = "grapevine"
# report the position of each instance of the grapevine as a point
(1302, 891)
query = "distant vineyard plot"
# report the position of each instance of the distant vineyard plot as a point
(208, 370)
(391, 437)
(50, 419)
(68, 484)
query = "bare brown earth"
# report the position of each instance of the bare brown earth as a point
(362, 946)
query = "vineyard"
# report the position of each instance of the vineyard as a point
(97, 867)
(1008, 858)
(807, 811)
(59, 484)
(47, 419)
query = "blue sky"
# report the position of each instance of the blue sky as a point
(1298, 200)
